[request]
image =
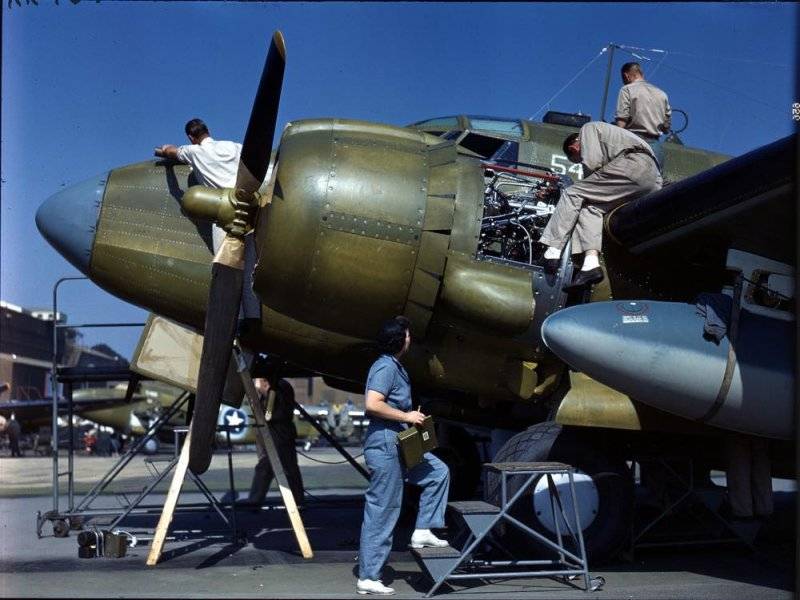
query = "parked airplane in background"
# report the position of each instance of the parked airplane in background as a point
(102, 405)
(107, 407)
(439, 221)
(345, 425)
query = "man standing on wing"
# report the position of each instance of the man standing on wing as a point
(643, 109)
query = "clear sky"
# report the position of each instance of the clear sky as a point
(91, 86)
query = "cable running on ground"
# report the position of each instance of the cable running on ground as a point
(328, 462)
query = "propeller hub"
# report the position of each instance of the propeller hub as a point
(232, 210)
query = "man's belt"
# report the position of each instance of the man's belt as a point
(640, 150)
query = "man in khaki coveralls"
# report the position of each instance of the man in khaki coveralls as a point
(622, 167)
(284, 434)
(643, 109)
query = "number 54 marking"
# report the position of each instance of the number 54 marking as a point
(562, 166)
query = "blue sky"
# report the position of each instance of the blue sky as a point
(91, 86)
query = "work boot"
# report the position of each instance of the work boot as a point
(423, 538)
(371, 586)
(584, 278)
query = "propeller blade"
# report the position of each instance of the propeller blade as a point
(227, 274)
(221, 317)
(257, 144)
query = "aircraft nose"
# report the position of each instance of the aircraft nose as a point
(68, 220)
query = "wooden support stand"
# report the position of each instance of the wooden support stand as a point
(266, 447)
(169, 505)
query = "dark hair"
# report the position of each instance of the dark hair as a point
(568, 141)
(196, 128)
(631, 67)
(392, 335)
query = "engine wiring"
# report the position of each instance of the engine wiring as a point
(518, 202)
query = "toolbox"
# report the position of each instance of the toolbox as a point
(416, 441)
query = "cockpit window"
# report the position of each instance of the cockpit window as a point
(502, 126)
(508, 152)
(481, 145)
(489, 147)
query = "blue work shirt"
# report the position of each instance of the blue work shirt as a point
(388, 377)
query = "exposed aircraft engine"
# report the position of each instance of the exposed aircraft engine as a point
(518, 204)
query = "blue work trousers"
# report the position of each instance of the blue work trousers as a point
(385, 497)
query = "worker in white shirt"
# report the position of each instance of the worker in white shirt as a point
(215, 164)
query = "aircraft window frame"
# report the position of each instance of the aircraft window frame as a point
(478, 149)
(506, 127)
(507, 153)
(453, 135)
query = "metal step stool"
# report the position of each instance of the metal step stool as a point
(444, 564)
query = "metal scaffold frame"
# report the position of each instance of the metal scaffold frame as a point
(74, 516)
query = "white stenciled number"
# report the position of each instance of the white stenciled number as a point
(577, 169)
(555, 162)
(562, 166)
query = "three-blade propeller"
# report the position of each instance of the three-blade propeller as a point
(227, 270)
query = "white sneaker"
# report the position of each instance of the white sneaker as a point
(423, 538)
(371, 586)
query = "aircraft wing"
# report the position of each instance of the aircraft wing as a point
(730, 362)
(684, 231)
(41, 409)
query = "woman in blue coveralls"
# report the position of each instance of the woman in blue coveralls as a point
(388, 404)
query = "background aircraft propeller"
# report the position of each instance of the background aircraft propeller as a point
(227, 270)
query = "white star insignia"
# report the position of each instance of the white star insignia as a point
(233, 419)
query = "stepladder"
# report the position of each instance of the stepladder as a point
(568, 559)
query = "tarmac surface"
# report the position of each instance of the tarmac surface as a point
(200, 560)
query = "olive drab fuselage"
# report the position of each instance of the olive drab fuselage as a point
(363, 222)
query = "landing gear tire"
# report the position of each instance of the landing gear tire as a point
(603, 483)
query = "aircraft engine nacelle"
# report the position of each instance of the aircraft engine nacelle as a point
(361, 222)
